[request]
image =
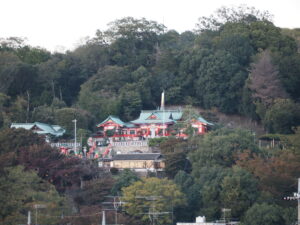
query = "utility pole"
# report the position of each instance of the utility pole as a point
(103, 218)
(117, 203)
(224, 210)
(38, 206)
(75, 135)
(153, 213)
(296, 196)
(29, 218)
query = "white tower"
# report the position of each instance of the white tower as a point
(162, 104)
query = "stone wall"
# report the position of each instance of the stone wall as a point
(125, 147)
(131, 146)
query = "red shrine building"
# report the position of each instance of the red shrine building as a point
(150, 124)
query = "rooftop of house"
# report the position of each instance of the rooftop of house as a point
(41, 128)
(138, 156)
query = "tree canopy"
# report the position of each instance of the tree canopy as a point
(152, 195)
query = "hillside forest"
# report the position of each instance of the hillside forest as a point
(235, 62)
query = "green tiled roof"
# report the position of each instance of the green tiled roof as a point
(158, 116)
(129, 125)
(201, 119)
(55, 130)
(113, 118)
(117, 120)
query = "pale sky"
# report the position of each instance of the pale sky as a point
(61, 24)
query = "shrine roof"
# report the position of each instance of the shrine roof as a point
(55, 130)
(201, 119)
(129, 125)
(158, 116)
(116, 120)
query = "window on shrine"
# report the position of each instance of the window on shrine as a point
(132, 131)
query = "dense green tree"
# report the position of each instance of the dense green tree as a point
(11, 43)
(208, 181)
(99, 94)
(71, 77)
(282, 117)
(49, 75)
(65, 116)
(92, 56)
(191, 190)
(43, 114)
(125, 179)
(33, 55)
(8, 65)
(249, 106)
(20, 190)
(289, 69)
(152, 195)
(133, 41)
(13, 139)
(218, 188)
(220, 147)
(292, 141)
(213, 93)
(142, 83)
(223, 15)
(294, 33)
(239, 190)
(61, 77)
(100, 104)
(130, 27)
(264, 214)
(24, 81)
(94, 191)
(110, 78)
(175, 153)
(4, 103)
(19, 110)
(235, 38)
(130, 103)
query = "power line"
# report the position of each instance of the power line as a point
(117, 202)
(152, 212)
